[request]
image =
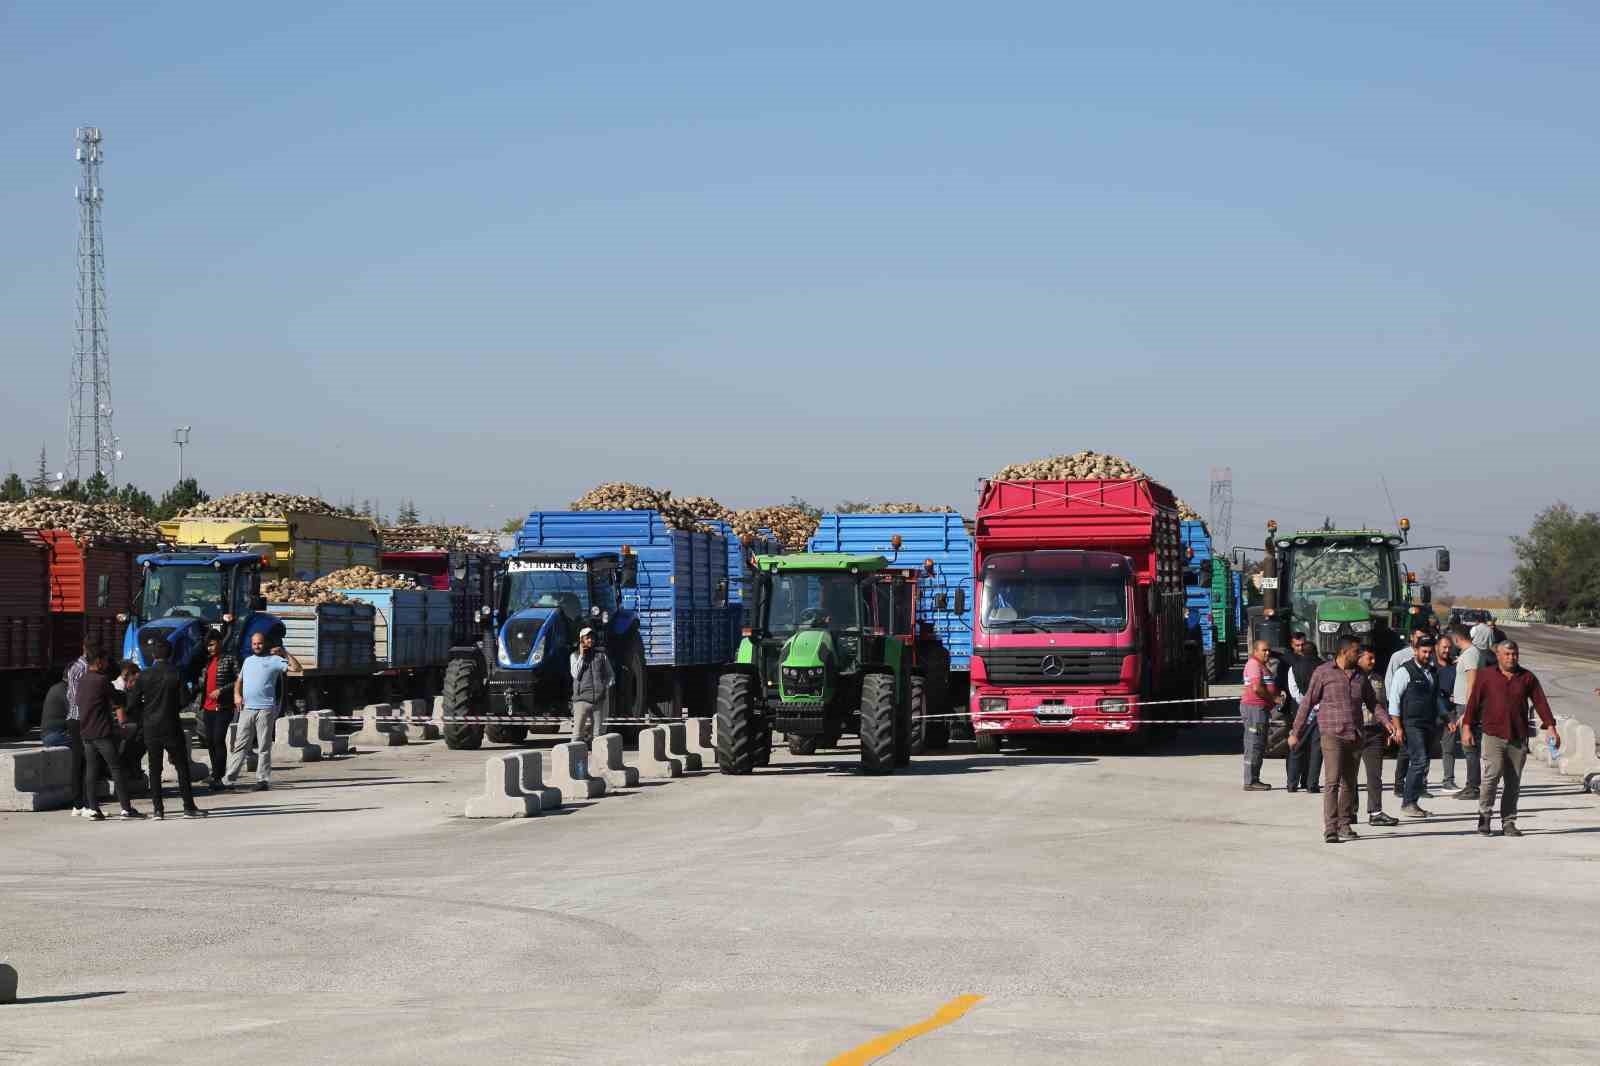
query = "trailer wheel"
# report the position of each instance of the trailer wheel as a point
(461, 689)
(737, 733)
(803, 744)
(879, 710)
(936, 667)
(916, 721)
(507, 734)
(988, 743)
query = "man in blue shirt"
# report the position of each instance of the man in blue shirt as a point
(1414, 700)
(257, 691)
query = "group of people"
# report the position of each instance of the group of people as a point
(1461, 691)
(114, 718)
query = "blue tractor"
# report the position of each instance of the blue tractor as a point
(520, 668)
(187, 593)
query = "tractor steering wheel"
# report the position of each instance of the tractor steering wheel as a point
(181, 612)
(813, 616)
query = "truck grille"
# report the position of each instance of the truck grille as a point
(1054, 666)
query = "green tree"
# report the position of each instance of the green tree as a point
(70, 490)
(97, 488)
(851, 506)
(1558, 563)
(511, 525)
(136, 499)
(12, 489)
(39, 483)
(802, 505)
(408, 513)
(180, 497)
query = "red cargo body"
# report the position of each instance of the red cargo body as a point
(24, 603)
(89, 587)
(1098, 566)
(436, 570)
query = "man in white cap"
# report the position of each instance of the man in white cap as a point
(592, 682)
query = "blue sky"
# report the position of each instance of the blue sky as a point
(486, 255)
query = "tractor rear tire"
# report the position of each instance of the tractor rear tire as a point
(738, 735)
(916, 721)
(461, 701)
(880, 711)
(803, 744)
(988, 744)
(507, 734)
(633, 682)
(936, 667)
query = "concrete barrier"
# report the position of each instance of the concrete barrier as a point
(379, 729)
(654, 762)
(419, 720)
(502, 791)
(605, 761)
(677, 746)
(325, 731)
(1578, 751)
(532, 781)
(291, 744)
(8, 983)
(700, 740)
(569, 771)
(39, 779)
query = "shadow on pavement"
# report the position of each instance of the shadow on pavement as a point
(23, 1000)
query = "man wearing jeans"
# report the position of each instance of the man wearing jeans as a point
(1340, 692)
(1499, 701)
(592, 682)
(256, 694)
(1254, 705)
(1469, 663)
(1414, 699)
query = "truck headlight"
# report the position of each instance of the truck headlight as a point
(1327, 627)
(993, 705)
(1361, 627)
(1114, 706)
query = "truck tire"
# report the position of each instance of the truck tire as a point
(936, 667)
(507, 734)
(918, 726)
(737, 733)
(880, 710)
(988, 743)
(633, 681)
(461, 686)
(803, 745)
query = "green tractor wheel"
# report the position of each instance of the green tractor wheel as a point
(461, 687)
(879, 710)
(737, 734)
(912, 737)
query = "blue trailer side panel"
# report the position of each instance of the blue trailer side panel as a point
(940, 537)
(411, 627)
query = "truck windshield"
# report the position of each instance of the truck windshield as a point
(183, 592)
(813, 601)
(1318, 570)
(1055, 592)
(532, 584)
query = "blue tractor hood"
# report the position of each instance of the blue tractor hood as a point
(525, 639)
(186, 635)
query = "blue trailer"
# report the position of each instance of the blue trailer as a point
(1198, 608)
(664, 602)
(938, 548)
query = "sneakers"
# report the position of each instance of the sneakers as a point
(1313, 788)
(1483, 826)
(1425, 794)
(194, 812)
(1292, 788)
(1468, 793)
(1448, 783)
(262, 786)
(93, 815)
(1380, 818)
(1348, 833)
(158, 816)
(1509, 829)
(128, 814)
(1332, 838)
(1411, 810)
(1258, 786)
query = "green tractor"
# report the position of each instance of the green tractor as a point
(831, 650)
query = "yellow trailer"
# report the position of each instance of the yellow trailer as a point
(304, 546)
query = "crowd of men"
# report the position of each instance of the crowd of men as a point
(1463, 691)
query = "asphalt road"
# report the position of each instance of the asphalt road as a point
(1108, 907)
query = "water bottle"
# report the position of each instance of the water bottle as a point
(1554, 758)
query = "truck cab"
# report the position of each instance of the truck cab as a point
(186, 594)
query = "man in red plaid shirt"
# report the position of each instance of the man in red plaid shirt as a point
(1338, 692)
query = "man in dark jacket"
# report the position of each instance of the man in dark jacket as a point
(97, 726)
(53, 719)
(1414, 700)
(592, 682)
(155, 701)
(216, 703)
(1304, 761)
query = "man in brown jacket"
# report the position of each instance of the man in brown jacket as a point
(1499, 701)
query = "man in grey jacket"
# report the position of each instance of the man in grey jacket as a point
(592, 682)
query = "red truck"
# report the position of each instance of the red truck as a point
(1080, 610)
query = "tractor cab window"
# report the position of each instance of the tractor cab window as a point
(563, 585)
(245, 583)
(816, 601)
(895, 602)
(184, 592)
(1314, 571)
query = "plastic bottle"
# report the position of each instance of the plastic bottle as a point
(1554, 750)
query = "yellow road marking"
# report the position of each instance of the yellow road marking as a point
(874, 1049)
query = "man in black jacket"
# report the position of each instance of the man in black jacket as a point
(98, 720)
(155, 700)
(1305, 761)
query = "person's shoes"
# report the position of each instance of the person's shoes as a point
(1468, 793)
(1411, 810)
(79, 812)
(1509, 829)
(1483, 826)
(1258, 786)
(1448, 783)
(1425, 794)
(128, 814)
(1292, 788)
(1398, 789)
(1313, 788)
(93, 815)
(1348, 834)
(217, 785)
(194, 812)
(1332, 838)
(158, 816)
(262, 786)
(1380, 818)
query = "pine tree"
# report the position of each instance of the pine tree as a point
(12, 489)
(39, 483)
(136, 500)
(98, 488)
(182, 496)
(408, 513)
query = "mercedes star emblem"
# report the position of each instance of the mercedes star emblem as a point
(1050, 666)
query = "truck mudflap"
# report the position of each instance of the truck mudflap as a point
(1032, 711)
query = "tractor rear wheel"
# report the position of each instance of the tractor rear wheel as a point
(737, 733)
(915, 719)
(936, 667)
(879, 711)
(461, 685)
(633, 682)
(803, 744)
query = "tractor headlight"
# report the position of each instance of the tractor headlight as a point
(538, 653)
(1361, 627)
(803, 680)
(1327, 627)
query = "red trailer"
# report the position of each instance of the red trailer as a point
(1079, 617)
(90, 585)
(24, 628)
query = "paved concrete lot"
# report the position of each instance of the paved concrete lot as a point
(1109, 907)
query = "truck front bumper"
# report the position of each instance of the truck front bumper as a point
(1037, 710)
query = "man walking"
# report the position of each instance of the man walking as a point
(1304, 764)
(74, 675)
(1343, 695)
(257, 692)
(1444, 668)
(1374, 738)
(592, 682)
(216, 703)
(1258, 699)
(155, 700)
(1499, 701)
(1469, 662)
(1396, 664)
(97, 725)
(1414, 700)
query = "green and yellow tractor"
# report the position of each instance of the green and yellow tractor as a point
(831, 650)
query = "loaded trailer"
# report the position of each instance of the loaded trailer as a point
(301, 546)
(1199, 607)
(24, 630)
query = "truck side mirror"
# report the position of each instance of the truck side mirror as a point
(1441, 560)
(961, 601)
(258, 603)
(1427, 593)
(630, 571)
(941, 602)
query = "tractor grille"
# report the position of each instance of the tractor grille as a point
(520, 636)
(1054, 666)
(799, 716)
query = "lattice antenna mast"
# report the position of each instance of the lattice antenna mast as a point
(91, 446)
(1221, 513)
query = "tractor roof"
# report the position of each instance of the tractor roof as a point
(841, 562)
(1339, 534)
(197, 558)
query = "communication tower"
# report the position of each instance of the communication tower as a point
(91, 444)
(1221, 511)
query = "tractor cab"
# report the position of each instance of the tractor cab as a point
(185, 594)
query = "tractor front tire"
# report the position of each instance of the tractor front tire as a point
(913, 736)
(803, 744)
(461, 701)
(880, 710)
(738, 735)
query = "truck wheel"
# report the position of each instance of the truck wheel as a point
(737, 733)
(633, 683)
(988, 744)
(917, 727)
(802, 745)
(936, 668)
(507, 734)
(461, 687)
(879, 711)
